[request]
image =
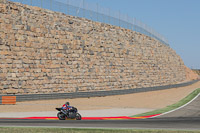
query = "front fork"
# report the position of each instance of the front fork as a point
(64, 112)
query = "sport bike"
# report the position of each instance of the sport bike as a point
(70, 114)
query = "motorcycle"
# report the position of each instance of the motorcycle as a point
(70, 114)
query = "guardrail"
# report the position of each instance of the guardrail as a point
(31, 97)
(96, 13)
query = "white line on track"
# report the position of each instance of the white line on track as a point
(178, 107)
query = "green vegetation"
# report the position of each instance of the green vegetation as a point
(84, 130)
(173, 106)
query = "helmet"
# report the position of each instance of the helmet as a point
(67, 103)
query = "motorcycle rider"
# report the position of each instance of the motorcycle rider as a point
(66, 107)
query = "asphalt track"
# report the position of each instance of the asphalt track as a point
(156, 123)
(192, 110)
(185, 118)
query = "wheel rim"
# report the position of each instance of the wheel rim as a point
(62, 116)
(78, 117)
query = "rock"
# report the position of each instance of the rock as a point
(11, 91)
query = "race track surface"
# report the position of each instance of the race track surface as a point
(188, 111)
(185, 118)
(171, 123)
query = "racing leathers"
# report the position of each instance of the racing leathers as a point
(66, 108)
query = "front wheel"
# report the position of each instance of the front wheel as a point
(78, 116)
(61, 116)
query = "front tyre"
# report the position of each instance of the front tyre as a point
(61, 116)
(78, 116)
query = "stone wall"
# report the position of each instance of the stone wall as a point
(42, 51)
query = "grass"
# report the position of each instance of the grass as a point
(85, 130)
(173, 106)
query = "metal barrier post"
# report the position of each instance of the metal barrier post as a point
(84, 8)
(127, 21)
(68, 7)
(97, 11)
(119, 18)
(109, 16)
(41, 3)
(50, 4)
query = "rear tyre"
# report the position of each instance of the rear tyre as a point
(78, 116)
(61, 116)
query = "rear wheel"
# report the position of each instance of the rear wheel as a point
(61, 116)
(78, 116)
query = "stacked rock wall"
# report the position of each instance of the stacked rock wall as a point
(42, 51)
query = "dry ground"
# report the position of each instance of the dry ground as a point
(148, 100)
